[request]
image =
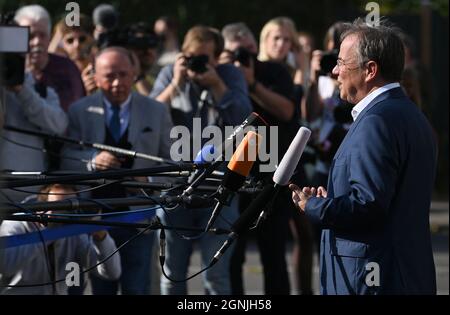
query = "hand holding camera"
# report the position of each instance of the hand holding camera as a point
(179, 70)
(315, 65)
(88, 79)
(199, 70)
(322, 63)
(245, 61)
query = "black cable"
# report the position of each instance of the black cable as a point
(86, 270)
(43, 150)
(162, 258)
(182, 236)
(41, 237)
(68, 194)
(46, 254)
(98, 202)
(97, 146)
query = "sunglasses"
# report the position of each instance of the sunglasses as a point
(80, 39)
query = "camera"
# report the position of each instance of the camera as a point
(244, 56)
(328, 61)
(13, 47)
(196, 63)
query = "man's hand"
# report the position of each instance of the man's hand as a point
(88, 79)
(209, 78)
(179, 70)
(105, 160)
(301, 196)
(315, 65)
(99, 235)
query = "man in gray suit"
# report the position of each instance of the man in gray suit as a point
(119, 117)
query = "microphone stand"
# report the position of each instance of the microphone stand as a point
(93, 145)
(108, 174)
(74, 204)
(154, 225)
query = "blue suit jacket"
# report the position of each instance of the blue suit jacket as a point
(377, 209)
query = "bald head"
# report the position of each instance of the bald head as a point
(114, 52)
(114, 74)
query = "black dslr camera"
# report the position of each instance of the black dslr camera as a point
(13, 47)
(328, 61)
(197, 63)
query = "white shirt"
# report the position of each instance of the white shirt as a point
(358, 108)
(124, 113)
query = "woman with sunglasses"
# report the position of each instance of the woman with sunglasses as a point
(77, 43)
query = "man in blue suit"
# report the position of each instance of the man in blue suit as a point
(375, 215)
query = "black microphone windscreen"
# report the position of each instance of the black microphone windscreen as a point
(106, 16)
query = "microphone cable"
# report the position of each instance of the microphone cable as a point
(43, 150)
(150, 226)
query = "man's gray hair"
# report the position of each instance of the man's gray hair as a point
(237, 31)
(34, 12)
(381, 44)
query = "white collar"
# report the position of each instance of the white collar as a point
(358, 108)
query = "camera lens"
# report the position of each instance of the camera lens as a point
(197, 63)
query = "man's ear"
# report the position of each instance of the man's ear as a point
(372, 70)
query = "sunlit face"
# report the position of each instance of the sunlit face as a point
(58, 194)
(306, 44)
(76, 44)
(350, 74)
(160, 27)
(278, 43)
(114, 76)
(39, 40)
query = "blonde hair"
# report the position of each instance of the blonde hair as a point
(274, 23)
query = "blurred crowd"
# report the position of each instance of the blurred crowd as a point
(127, 86)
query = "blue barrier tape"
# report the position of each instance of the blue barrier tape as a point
(70, 230)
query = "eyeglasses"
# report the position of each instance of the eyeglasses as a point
(80, 39)
(340, 63)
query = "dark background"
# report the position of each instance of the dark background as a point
(314, 16)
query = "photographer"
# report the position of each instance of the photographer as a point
(197, 70)
(142, 42)
(51, 70)
(25, 108)
(197, 86)
(46, 262)
(328, 116)
(77, 43)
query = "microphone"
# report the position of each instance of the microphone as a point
(289, 162)
(98, 146)
(204, 156)
(281, 178)
(252, 120)
(237, 171)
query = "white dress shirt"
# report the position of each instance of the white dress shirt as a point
(358, 108)
(124, 113)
